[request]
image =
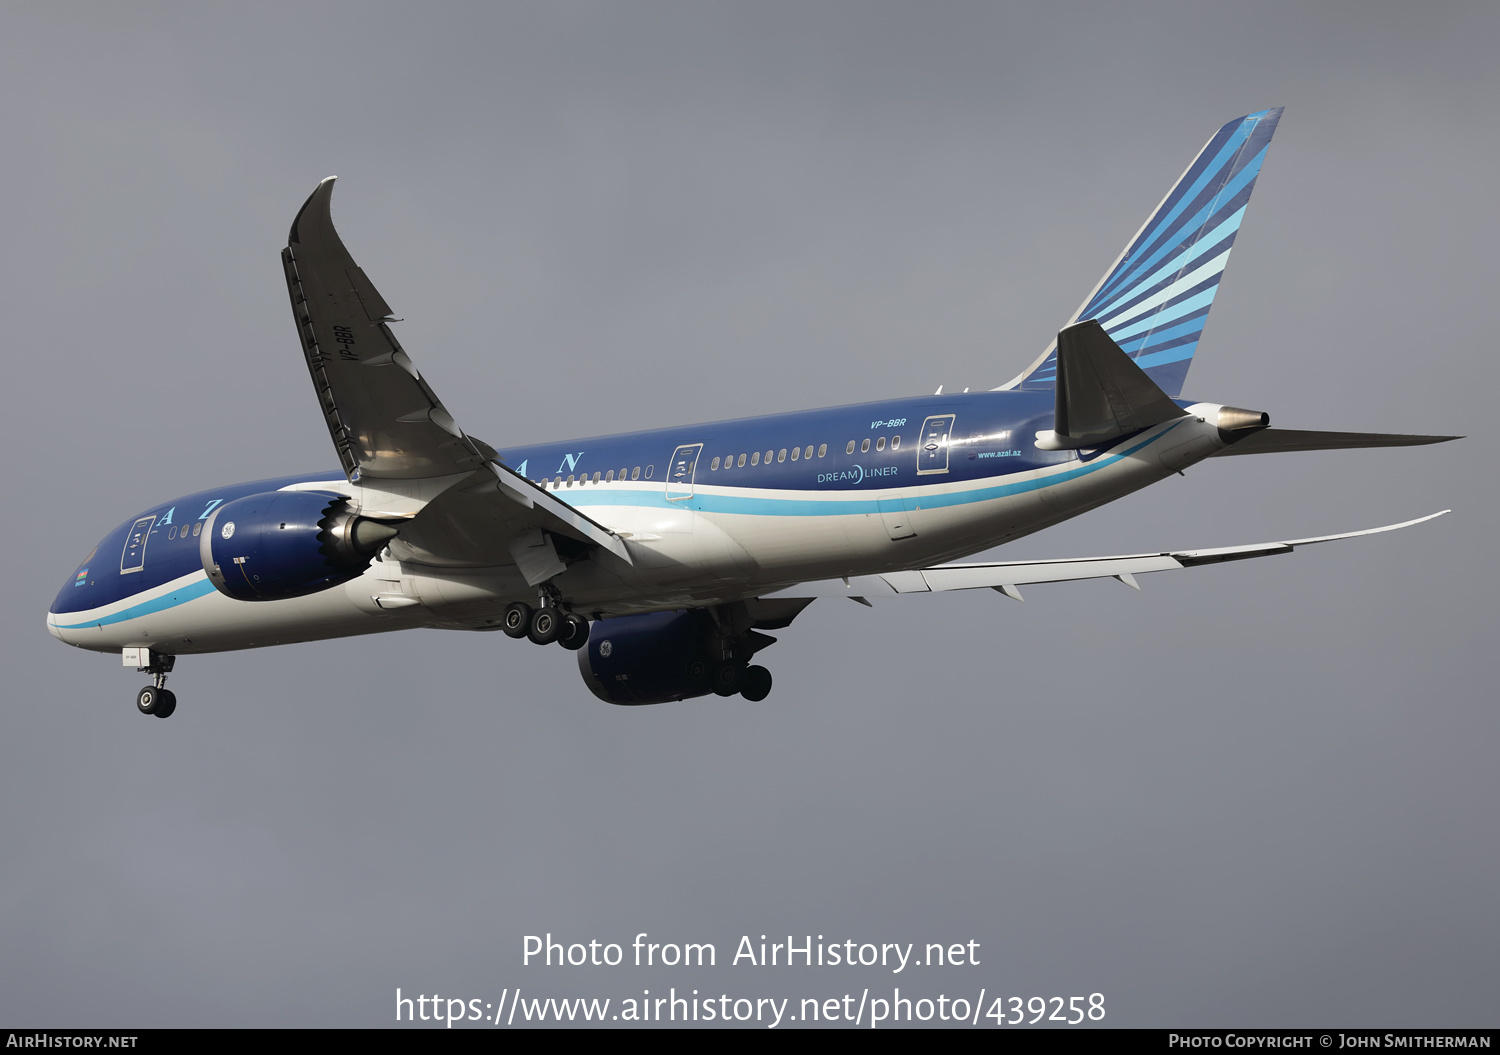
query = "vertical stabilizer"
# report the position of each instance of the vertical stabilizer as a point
(1154, 301)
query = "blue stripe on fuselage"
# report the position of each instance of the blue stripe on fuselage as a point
(834, 505)
(183, 595)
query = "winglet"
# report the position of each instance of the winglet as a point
(322, 215)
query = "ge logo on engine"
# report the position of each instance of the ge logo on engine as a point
(227, 531)
(605, 648)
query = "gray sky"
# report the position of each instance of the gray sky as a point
(1261, 794)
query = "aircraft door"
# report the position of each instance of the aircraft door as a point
(932, 445)
(680, 471)
(134, 556)
(893, 512)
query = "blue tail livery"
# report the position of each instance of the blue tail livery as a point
(1154, 299)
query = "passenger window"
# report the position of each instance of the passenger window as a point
(849, 449)
(649, 470)
(715, 465)
(895, 443)
(796, 453)
(635, 474)
(741, 463)
(172, 532)
(197, 530)
(596, 478)
(822, 450)
(609, 476)
(755, 458)
(880, 444)
(781, 455)
(864, 446)
(768, 456)
(570, 479)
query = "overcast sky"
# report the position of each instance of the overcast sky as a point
(1257, 794)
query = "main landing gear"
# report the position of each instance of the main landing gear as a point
(735, 679)
(546, 624)
(156, 698)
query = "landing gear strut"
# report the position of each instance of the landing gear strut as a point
(735, 640)
(156, 698)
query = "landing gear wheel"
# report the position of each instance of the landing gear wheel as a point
(546, 624)
(152, 700)
(757, 684)
(517, 620)
(728, 677)
(574, 633)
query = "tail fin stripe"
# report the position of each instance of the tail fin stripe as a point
(1158, 338)
(1194, 302)
(1207, 271)
(1237, 194)
(1191, 301)
(1171, 355)
(1232, 198)
(1154, 231)
(1217, 241)
(1226, 197)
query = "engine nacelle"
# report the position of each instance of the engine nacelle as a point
(653, 658)
(287, 544)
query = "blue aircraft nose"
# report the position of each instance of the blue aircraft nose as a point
(74, 597)
(57, 614)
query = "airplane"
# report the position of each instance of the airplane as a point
(662, 557)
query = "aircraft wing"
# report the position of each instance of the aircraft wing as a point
(1272, 441)
(388, 425)
(1007, 576)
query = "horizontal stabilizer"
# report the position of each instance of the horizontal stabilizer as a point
(1005, 576)
(1102, 395)
(1270, 441)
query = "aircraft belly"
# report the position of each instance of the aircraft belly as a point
(213, 622)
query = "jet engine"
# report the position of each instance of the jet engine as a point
(654, 658)
(664, 656)
(278, 544)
